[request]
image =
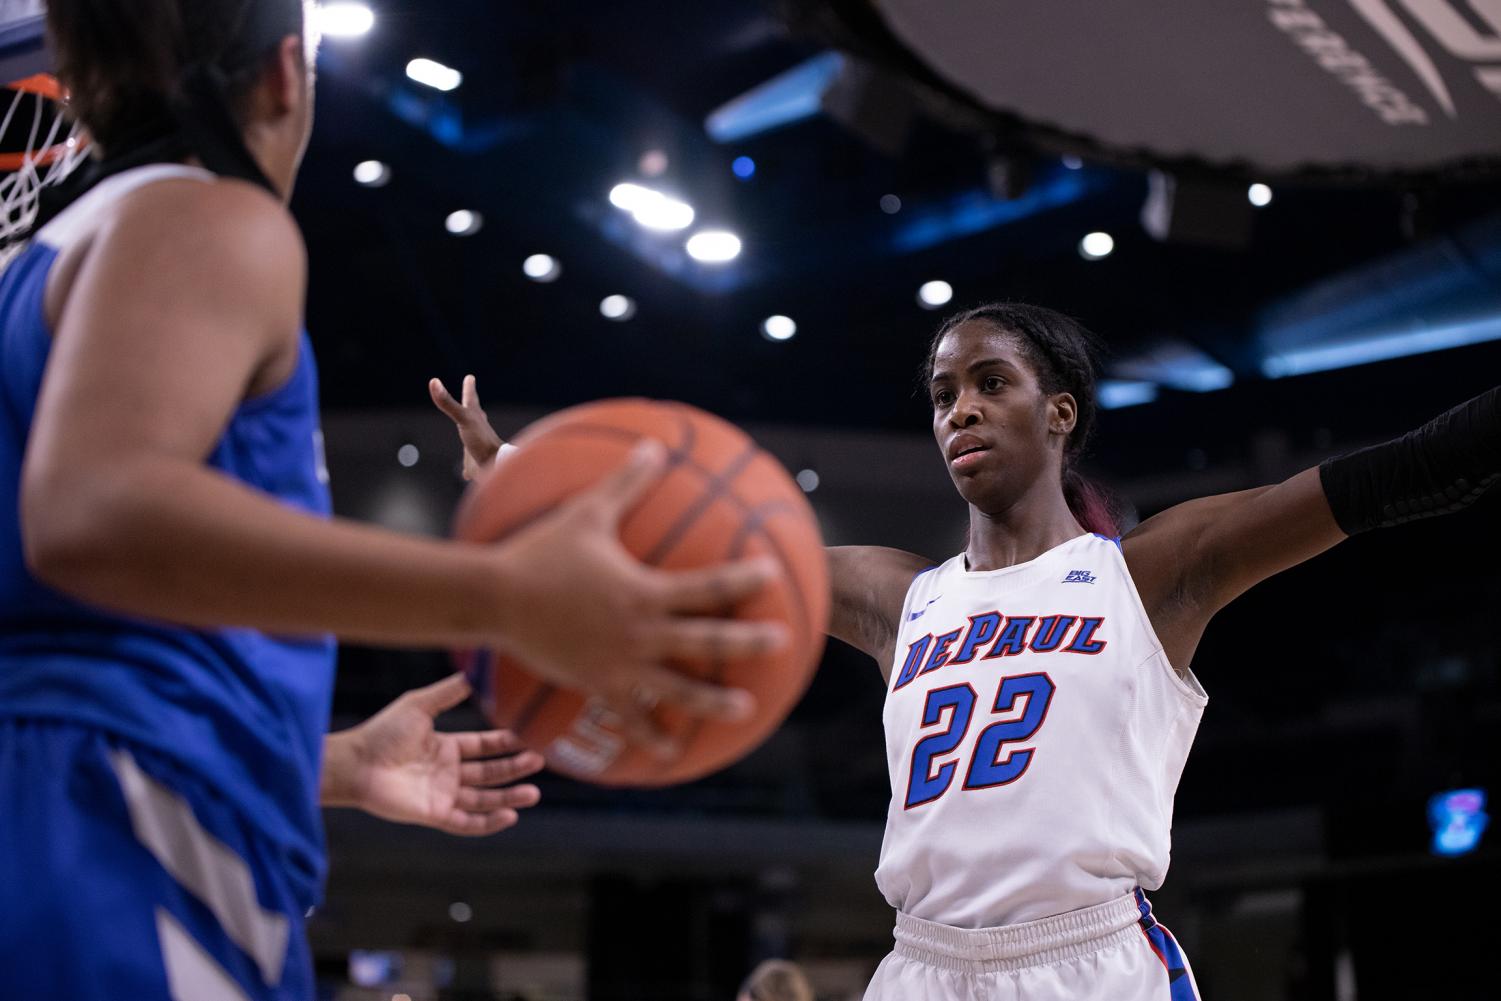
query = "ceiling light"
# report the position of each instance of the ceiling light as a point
(464, 222)
(1259, 195)
(542, 268)
(344, 20)
(891, 204)
(663, 213)
(627, 196)
(714, 246)
(808, 480)
(650, 208)
(744, 168)
(372, 174)
(934, 294)
(617, 307)
(434, 74)
(778, 328)
(1096, 245)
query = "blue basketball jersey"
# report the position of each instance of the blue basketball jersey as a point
(244, 710)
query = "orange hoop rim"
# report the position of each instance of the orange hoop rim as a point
(42, 84)
(46, 86)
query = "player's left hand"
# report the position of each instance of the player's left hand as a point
(397, 766)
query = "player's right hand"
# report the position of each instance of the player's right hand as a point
(479, 439)
(586, 614)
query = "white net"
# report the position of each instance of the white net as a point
(47, 148)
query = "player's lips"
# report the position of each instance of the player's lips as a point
(962, 445)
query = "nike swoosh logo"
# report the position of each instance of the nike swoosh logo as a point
(919, 613)
(1386, 24)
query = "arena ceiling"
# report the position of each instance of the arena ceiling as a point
(561, 100)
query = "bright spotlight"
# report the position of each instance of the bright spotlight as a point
(372, 174)
(434, 74)
(778, 328)
(934, 294)
(542, 268)
(617, 307)
(464, 222)
(713, 246)
(1071, 162)
(650, 208)
(1260, 195)
(627, 196)
(1096, 245)
(344, 20)
(891, 204)
(808, 480)
(408, 455)
(744, 167)
(663, 213)
(460, 911)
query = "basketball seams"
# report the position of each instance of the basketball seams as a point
(716, 489)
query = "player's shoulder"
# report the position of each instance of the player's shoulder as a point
(206, 222)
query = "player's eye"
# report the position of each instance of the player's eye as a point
(942, 397)
(993, 383)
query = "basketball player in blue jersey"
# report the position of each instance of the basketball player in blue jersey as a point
(169, 574)
(1040, 705)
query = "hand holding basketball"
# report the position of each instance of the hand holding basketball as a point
(592, 617)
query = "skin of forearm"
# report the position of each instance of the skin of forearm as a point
(164, 538)
(338, 784)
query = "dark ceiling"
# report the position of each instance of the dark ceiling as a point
(560, 100)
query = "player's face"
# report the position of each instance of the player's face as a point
(990, 415)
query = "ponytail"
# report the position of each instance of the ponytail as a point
(1090, 504)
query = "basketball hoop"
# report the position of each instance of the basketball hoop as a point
(40, 145)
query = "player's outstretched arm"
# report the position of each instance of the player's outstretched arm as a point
(869, 582)
(398, 766)
(1193, 559)
(869, 586)
(190, 302)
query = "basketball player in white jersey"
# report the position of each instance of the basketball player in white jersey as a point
(1040, 703)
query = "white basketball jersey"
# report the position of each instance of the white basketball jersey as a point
(1035, 734)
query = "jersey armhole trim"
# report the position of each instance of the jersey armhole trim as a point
(1186, 683)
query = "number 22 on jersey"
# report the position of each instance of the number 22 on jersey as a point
(992, 763)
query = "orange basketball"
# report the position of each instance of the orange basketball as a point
(721, 499)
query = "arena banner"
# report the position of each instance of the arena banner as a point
(1276, 86)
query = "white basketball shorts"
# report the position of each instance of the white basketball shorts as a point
(1114, 950)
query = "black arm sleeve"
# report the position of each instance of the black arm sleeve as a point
(1439, 468)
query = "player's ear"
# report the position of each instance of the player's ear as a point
(1063, 413)
(287, 76)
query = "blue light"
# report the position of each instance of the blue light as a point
(1177, 364)
(782, 100)
(978, 210)
(1113, 394)
(1458, 820)
(1379, 347)
(744, 167)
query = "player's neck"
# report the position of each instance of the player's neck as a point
(1024, 531)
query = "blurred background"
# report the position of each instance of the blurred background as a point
(1290, 241)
